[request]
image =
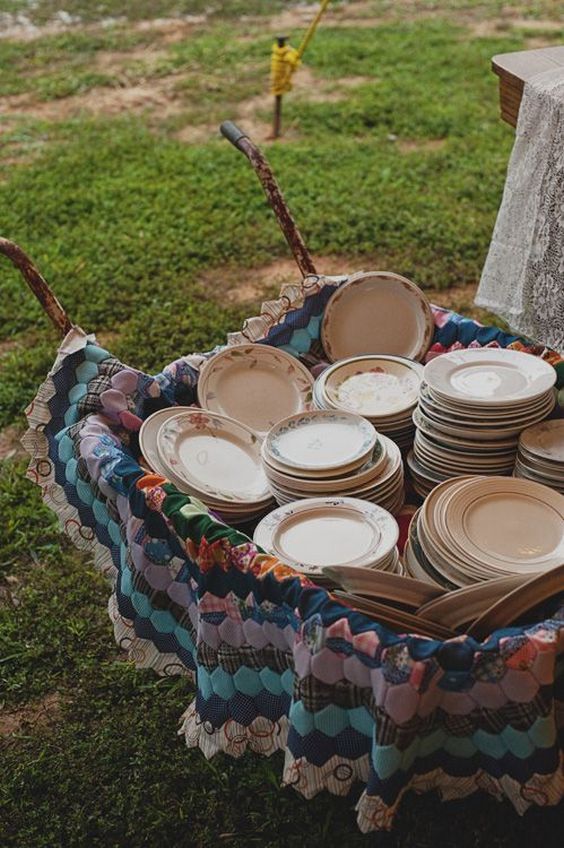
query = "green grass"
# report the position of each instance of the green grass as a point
(126, 222)
(53, 66)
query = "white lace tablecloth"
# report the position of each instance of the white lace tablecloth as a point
(523, 277)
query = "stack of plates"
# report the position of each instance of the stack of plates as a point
(312, 534)
(478, 528)
(384, 389)
(211, 457)
(326, 453)
(472, 407)
(541, 454)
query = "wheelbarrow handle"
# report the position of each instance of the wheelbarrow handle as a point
(258, 160)
(232, 133)
(37, 284)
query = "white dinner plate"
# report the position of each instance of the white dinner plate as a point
(318, 532)
(214, 455)
(491, 376)
(320, 441)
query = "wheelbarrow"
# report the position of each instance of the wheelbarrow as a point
(279, 663)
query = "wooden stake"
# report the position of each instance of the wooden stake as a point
(277, 119)
(277, 122)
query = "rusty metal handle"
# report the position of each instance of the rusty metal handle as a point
(37, 284)
(232, 133)
(274, 196)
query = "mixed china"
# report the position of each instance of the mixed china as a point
(317, 467)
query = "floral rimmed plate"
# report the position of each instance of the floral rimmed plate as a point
(318, 532)
(320, 441)
(256, 384)
(214, 455)
(377, 312)
(373, 386)
(148, 437)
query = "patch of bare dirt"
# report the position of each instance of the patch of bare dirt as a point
(197, 133)
(426, 145)
(10, 445)
(487, 28)
(107, 338)
(171, 30)
(493, 27)
(355, 82)
(42, 714)
(537, 24)
(7, 346)
(347, 15)
(156, 95)
(253, 285)
(114, 62)
(539, 41)
(306, 87)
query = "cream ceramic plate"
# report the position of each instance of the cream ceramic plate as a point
(434, 432)
(492, 376)
(517, 603)
(481, 419)
(463, 606)
(367, 473)
(373, 386)
(256, 384)
(465, 429)
(509, 524)
(545, 440)
(321, 441)
(491, 416)
(377, 312)
(318, 532)
(373, 473)
(214, 455)
(148, 437)
(396, 619)
(380, 585)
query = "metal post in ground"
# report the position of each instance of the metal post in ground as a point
(277, 119)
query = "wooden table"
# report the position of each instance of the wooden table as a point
(514, 69)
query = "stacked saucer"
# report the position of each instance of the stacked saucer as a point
(312, 534)
(472, 529)
(211, 457)
(323, 454)
(384, 389)
(473, 405)
(541, 454)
